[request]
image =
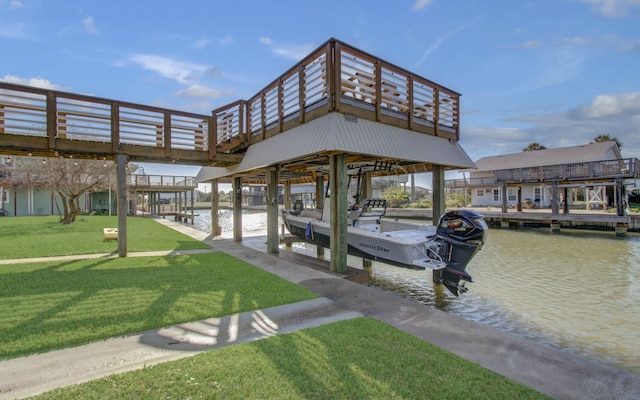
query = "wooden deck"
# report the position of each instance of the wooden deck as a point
(335, 77)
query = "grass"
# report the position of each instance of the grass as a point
(356, 359)
(42, 236)
(50, 305)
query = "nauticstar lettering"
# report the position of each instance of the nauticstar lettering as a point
(376, 247)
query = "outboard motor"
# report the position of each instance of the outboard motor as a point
(462, 234)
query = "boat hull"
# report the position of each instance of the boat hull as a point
(398, 248)
(447, 248)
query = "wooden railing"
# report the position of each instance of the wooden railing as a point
(470, 182)
(47, 120)
(338, 77)
(335, 77)
(622, 168)
(160, 181)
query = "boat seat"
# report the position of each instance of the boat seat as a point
(372, 210)
(298, 206)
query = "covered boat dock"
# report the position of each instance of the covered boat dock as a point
(337, 108)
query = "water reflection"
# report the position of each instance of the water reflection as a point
(577, 291)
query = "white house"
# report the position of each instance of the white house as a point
(536, 173)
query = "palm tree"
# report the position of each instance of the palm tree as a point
(607, 138)
(534, 146)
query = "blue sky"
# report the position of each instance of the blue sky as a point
(556, 72)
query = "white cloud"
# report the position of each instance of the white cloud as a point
(36, 82)
(203, 92)
(612, 8)
(439, 41)
(89, 25)
(14, 31)
(290, 51)
(181, 71)
(610, 105)
(630, 45)
(617, 115)
(201, 43)
(204, 42)
(421, 4)
(16, 4)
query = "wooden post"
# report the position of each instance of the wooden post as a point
(338, 209)
(504, 198)
(367, 187)
(215, 206)
(121, 161)
(619, 196)
(1, 119)
(565, 200)
(286, 204)
(554, 197)
(367, 266)
(320, 206)
(273, 240)
(192, 201)
(438, 193)
(237, 209)
(319, 191)
(519, 206)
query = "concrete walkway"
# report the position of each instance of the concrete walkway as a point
(554, 372)
(32, 375)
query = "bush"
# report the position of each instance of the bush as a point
(424, 203)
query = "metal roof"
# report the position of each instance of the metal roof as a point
(563, 155)
(344, 133)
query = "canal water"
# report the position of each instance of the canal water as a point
(575, 290)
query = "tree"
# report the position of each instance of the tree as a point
(68, 178)
(534, 146)
(395, 195)
(607, 138)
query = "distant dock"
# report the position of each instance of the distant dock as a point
(579, 219)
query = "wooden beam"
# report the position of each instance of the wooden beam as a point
(273, 241)
(438, 193)
(121, 161)
(237, 209)
(216, 230)
(338, 210)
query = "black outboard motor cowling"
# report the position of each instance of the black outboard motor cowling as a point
(462, 233)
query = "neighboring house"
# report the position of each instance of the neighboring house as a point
(586, 172)
(22, 201)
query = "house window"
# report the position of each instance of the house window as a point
(496, 195)
(480, 192)
(538, 194)
(512, 194)
(5, 196)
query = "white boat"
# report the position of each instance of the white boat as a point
(446, 248)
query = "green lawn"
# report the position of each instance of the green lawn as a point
(355, 359)
(50, 305)
(24, 237)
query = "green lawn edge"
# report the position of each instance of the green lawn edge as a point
(45, 236)
(361, 358)
(56, 304)
(56, 298)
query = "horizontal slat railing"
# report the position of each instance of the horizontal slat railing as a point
(28, 111)
(335, 77)
(159, 181)
(335, 73)
(624, 168)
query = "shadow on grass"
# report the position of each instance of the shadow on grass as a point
(51, 305)
(360, 358)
